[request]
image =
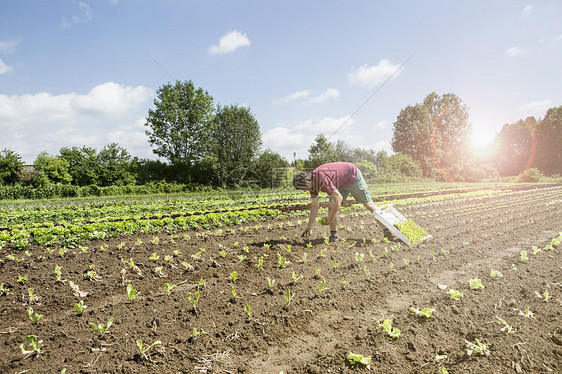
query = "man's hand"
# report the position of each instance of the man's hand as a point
(306, 231)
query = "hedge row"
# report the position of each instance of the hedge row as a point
(58, 190)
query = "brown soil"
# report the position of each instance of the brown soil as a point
(317, 330)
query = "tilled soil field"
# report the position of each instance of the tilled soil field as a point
(259, 298)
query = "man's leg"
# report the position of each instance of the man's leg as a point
(332, 205)
(371, 208)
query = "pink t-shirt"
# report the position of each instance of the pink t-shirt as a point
(329, 177)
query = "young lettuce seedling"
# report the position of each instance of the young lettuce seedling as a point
(247, 309)
(296, 277)
(35, 345)
(386, 325)
(80, 307)
(505, 326)
(194, 300)
(288, 297)
(270, 283)
(455, 295)
(34, 317)
(259, 265)
(131, 292)
(143, 350)
(475, 283)
(425, 312)
(168, 287)
(544, 296)
(478, 348)
(321, 286)
(357, 359)
(101, 328)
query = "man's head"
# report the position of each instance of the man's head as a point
(302, 181)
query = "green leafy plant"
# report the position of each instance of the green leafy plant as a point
(475, 284)
(168, 287)
(288, 297)
(296, 277)
(527, 313)
(270, 283)
(80, 307)
(194, 300)
(322, 285)
(386, 326)
(34, 317)
(524, 256)
(477, 348)
(233, 276)
(31, 295)
(131, 293)
(101, 327)
(505, 326)
(259, 265)
(544, 296)
(21, 279)
(455, 294)
(425, 312)
(282, 261)
(357, 359)
(248, 309)
(144, 350)
(495, 273)
(35, 345)
(412, 231)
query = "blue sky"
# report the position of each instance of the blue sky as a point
(76, 73)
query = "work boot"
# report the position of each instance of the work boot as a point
(333, 238)
(386, 233)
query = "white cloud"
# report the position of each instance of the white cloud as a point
(514, 51)
(298, 138)
(304, 97)
(4, 68)
(108, 113)
(294, 96)
(381, 125)
(8, 46)
(229, 43)
(286, 139)
(526, 11)
(330, 93)
(84, 16)
(371, 75)
(535, 108)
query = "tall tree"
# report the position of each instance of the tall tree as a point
(180, 124)
(51, 169)
(516, 144)
(236, 142)
(549, 142)
(320, 152)
(115, 166)
(435, 133)
(82, 164)
(271, 169)
(10, 166)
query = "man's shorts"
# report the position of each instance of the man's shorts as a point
(357, 189)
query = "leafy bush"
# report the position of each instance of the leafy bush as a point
(531, 175)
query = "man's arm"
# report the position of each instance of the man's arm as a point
(312, 216)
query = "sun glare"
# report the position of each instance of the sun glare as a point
(481, 139)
